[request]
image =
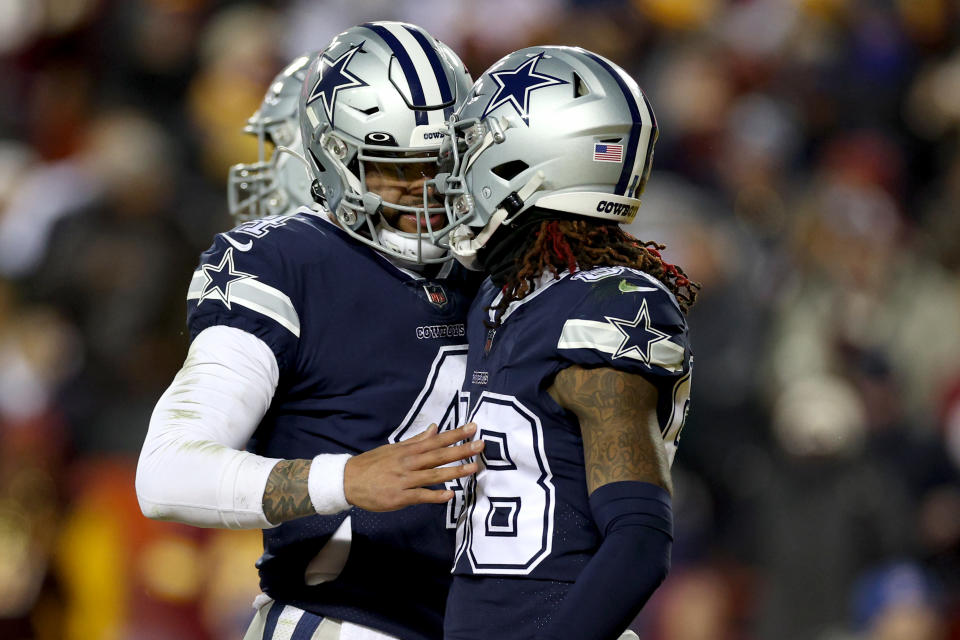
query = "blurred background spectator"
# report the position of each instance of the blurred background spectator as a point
(807, 173)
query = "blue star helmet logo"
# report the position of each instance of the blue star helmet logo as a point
(514, 87)
(334, 78)
(638, 334)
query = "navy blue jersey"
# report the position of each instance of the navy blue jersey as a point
(368, 354)
(527, 531)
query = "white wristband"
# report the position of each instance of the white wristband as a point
(325, 483)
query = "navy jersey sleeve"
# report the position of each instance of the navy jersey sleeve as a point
(629, 322)
(251, 285)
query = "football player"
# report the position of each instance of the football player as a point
(278, 184)
(328, 344)
(578, 373)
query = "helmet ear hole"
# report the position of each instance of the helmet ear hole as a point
(580, 87)
(510, 170)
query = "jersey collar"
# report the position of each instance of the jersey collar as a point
(544, 282)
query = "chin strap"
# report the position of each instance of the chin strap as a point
(282, 149)
(488, 139)
(407, 247)
(464, 245)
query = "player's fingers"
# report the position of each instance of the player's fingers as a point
(446, 474)
(445, 438)
(454, 436)
(428, 496)
(429, 432)
(446, 455)
(428, 477)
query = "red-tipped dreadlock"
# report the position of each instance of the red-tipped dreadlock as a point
(567, 244)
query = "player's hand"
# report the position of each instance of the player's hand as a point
(393, 476)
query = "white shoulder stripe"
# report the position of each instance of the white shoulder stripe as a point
(197, 283)
(604, 337)
(286, 622)
(253, 295)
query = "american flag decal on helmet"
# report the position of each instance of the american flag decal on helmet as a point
(608, 152)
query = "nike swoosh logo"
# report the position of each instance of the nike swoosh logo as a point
(626, 287)
(239, 246)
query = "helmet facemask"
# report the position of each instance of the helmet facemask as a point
(375, 194)
(470, 228)
(278, 183)
(263, 188)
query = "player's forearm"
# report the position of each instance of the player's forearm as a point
(298, 488)
(613, 587)
(190, 473)
(192, 468)
(186, 476)
(287, 495)
(636, 523)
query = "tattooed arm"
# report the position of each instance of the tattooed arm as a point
(286, 495)
(618, 421)
(628, 479)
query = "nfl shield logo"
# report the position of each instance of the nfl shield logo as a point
(435, 294)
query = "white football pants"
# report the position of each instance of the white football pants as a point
(278, 621)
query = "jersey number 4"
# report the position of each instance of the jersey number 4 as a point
(440, 402)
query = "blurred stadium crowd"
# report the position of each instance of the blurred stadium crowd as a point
(807, 173)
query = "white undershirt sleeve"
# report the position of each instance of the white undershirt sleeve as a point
(192, 468)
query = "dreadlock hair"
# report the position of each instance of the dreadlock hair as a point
(574, 242)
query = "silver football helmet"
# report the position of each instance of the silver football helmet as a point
(373, 114)
(558, 128)
(280, 184)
